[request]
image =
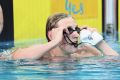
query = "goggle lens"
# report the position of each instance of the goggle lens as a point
(71, 30)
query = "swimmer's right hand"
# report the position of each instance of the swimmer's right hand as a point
(57, 34)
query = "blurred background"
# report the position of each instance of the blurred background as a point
(25, 20)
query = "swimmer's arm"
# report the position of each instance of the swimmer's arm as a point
(106, 49)
(93, 50)
(86, 51)
(38, 50)
(35, 51)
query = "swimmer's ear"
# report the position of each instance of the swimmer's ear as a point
(50, 35)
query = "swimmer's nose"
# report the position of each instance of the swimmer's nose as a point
(75, 34)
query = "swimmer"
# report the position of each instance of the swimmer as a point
(62, 33)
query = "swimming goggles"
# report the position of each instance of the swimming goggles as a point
(71, 30)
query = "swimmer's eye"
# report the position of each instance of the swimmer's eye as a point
(71, 30)
(77, 29)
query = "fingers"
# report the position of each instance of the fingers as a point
(57, 33)
(92, 29)
(88, 28)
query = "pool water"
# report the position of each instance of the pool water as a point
(94, 68)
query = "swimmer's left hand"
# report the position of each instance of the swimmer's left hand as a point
(88, 28)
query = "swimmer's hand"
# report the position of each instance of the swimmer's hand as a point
(57, 34)
(88, 28)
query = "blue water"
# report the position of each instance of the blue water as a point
(94, 68)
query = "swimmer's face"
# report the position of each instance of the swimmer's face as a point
(72, 32)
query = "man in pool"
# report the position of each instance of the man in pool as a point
(62, 33)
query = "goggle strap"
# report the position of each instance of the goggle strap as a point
(72, 43)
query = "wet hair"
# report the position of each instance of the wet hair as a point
(52, 21)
